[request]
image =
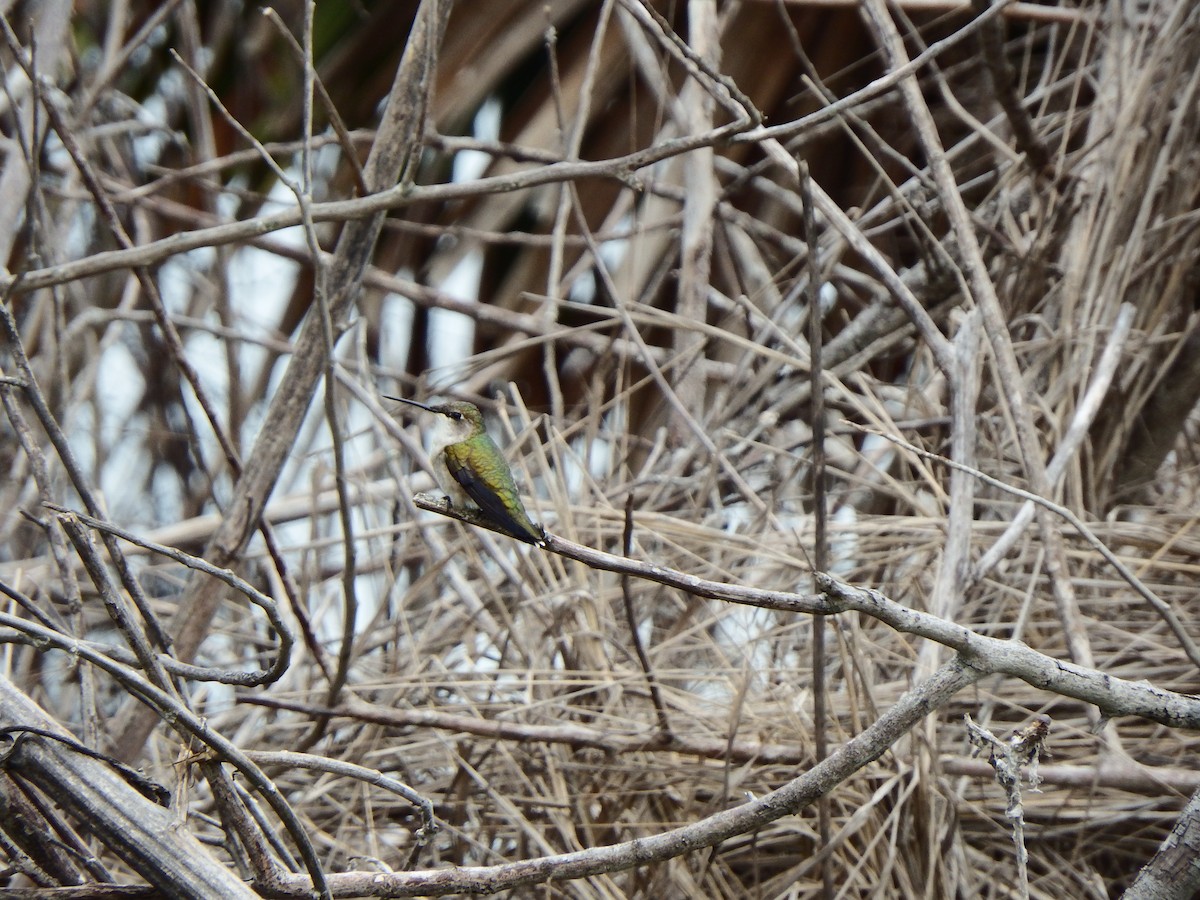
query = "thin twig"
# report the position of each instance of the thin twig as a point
(635, 637)
(1000, 74)
(816, 376)
(291, 760)
(243, 587)
(1069, 445)
(304, 54)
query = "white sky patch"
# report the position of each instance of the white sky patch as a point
(56, 155)
(178, 277)
(206, 353)
(119, 390)
(395, 326)
(740, 633)
(148, 145)
(79, 428)
(261, 283)
(227, 201)
(827, 297)
(599, 460)
(582, 289)
(325, 162)
(452, 334)
(571, 467)
(843, 546)
(167, 495)
(471, 164)
(80, 232)
(358, 439)
(613, 252)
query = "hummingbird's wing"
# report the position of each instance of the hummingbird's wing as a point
(498, 499)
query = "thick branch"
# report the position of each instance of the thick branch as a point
(143, 834)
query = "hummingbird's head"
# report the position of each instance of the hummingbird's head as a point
(459, 420)
(464, 418)
(459, 411)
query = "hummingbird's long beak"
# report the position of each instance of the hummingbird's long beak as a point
(409, 402)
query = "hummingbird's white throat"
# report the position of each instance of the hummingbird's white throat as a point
(450, 430)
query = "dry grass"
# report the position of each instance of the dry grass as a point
(644, 337)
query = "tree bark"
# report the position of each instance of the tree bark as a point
(148, 837)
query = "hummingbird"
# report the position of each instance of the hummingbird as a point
(470, 469)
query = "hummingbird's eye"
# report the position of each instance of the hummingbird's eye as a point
(456, 416)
